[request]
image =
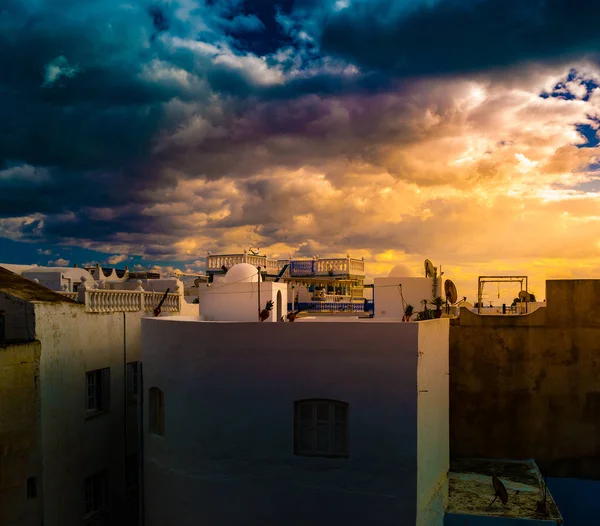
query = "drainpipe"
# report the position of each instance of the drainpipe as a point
(140, 417)
(124, 411)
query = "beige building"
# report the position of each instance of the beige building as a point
(70, 378)
(526, 386)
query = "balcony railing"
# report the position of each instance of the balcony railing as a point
(297, 268)
(102, 300)
(325, 267)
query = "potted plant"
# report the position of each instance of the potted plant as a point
(438, 302)
(408, 311)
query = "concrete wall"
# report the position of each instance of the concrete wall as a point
(433, 459)
(525, 386)
(388, 302)
(227, 455)
(19, 318)
(19, 434)
(239, 301)
(577, 500)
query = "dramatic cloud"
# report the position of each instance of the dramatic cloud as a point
(462, 131)
(60, 262)
(116, 259)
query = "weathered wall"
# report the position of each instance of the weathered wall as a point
(387, 299)
(75, 447)
(19, 317)
(229, 392)
(433, 453)
(19, 434)
(527, 386)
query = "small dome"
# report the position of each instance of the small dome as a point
(241, 273)
(401, 271)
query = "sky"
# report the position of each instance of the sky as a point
(148, 133)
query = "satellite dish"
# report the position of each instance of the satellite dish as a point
(429, 269)
(524, 295)
(499, 490)
(450, 289)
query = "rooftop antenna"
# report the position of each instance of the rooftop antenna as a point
(524, 295)
(541, 506)
(429, 269)
(157, 310)
(451, 294)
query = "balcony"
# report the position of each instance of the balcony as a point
(327, 267)
(216, 262)
(298, 267)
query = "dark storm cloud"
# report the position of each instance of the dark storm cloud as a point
(106, 108)
(454, 36)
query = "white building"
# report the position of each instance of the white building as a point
(60, 279)
(333, 422)
(392, 294)
(73, 459)
(236, 296)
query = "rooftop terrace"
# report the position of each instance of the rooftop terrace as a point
(471, 491)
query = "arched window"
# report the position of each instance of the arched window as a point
(156, 407)
(321, 428)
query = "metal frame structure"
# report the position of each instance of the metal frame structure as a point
(497, 279)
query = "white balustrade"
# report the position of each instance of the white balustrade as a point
(332, 265)
(71, 295)
(102, 300)
(357, 266)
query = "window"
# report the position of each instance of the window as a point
(97, 391)
(157, 411)
(75, 287)
(95, 494)
(133, 381)
(31, 488)
(321, 428)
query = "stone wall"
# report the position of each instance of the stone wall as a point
(527, 386)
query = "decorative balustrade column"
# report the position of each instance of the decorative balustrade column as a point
(82, 295)
(140, 291)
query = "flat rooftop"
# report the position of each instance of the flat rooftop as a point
(305, 319)
(471, 490)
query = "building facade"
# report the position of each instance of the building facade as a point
(316, 284)
(73, 368)
(324, 423)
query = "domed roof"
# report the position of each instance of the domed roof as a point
(401, 271)
(241, 273)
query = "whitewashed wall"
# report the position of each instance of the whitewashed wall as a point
(239, 301)
(387, 299)
(229, 388)
(74, 447)
(433, 430)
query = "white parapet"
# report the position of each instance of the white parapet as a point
(106, 300)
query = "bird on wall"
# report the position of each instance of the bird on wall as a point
(266, 312)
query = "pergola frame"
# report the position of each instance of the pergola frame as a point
(497, 279)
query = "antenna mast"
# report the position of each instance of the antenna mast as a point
(258, 293)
